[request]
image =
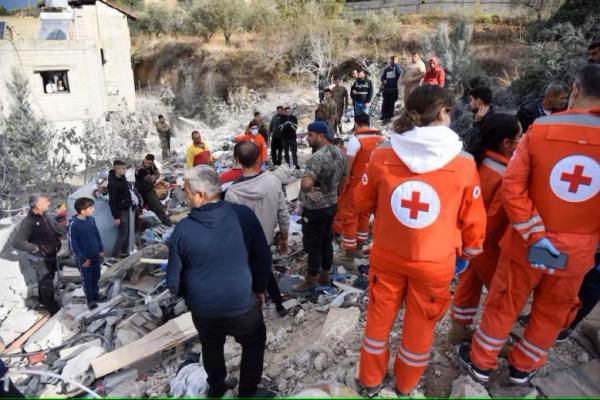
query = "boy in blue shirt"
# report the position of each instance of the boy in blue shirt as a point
(86, 245)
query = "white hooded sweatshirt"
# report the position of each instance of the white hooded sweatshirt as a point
(428, 148)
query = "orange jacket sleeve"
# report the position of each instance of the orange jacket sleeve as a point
(366, 192)
(472, 218)
(521, 212)
(263, 148)
(240, 138)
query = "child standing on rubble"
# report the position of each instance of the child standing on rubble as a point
(86, 245)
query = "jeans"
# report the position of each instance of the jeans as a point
(248, 330)
(156, 207)
(360, 107)
(290, 144)
(121, 246)
(90, 276)
(317, 236)
(390, 96)
(276, 150)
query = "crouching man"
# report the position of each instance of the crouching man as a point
(219, 262)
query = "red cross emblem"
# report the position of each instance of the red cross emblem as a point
(414, 205)
(576, 178)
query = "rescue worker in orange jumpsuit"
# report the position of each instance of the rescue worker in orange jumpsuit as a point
(499, 137)
(421, 187)
(252, 135)
(355, 224)
(551, 196)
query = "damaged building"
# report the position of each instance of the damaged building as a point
(75, 57)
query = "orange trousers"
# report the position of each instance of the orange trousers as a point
(355, 225)
(424, 290)
(555, 304)
(480, 272)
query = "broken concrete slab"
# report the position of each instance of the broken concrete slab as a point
(71, 352)
(122, 267)
(125, 336)
(465, 387)
(289, 304)
(112, 381)
(340, 323)
(145, 285)
(18, 321)
(53, 333)
(78, 366)
(579, 381)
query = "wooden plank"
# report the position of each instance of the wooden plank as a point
(172, 333)
(17, 344)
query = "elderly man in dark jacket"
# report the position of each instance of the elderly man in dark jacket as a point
(119, 199)
(38, 237)
(219, 262)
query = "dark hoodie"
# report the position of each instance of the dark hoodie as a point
(119, 196)
(209, 265)
(434, 75)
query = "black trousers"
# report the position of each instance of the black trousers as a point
(46, 286)
(156, 207)
(290, 145)
(13, 392)
(248, 330)
(390, 96)
(317, 236)
(589, 294)
(276, 150)
(273, 290)
(122, 244)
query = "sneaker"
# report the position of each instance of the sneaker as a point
(517, 377)
(564, 335)
(480, 375)
(92, 306)
(370, 391)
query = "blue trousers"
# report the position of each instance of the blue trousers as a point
(89, 279)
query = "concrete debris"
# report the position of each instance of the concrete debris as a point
(320, 362)
(190, 382)
(580, 381)
(71, 352)
(112, 381)
(465, 387)
(55, 332)
(340, 324)
(77, 367)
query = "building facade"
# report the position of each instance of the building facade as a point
(76, 55)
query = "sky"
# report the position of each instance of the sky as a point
(9, 4)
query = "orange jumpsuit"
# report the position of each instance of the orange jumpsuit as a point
(257, 140)
(550, 189)
(355, 224)
(413, 255)
(465, 303)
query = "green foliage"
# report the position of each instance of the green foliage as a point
(575, 12)
(558, 57)
(154, 20)
(452, 47)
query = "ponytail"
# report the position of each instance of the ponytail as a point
(422, 108)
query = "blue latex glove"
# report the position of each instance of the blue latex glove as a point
(461, 265)
(545, 244)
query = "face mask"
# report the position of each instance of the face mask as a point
(254, 131)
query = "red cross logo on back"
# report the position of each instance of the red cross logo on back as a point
(576, 178)
(415, 204)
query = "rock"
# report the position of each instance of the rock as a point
(583, 358)
(387, 393)
(125, 336)
(289, 373)
(320, 361)
(180, 308)
(300, 317)
(129, 390)
(112, 381)
(273, 371)
(522, 392)
(235, 362)
(340, 324)
(464, 387)
(17, 322)
(155, 310)
(289, 304)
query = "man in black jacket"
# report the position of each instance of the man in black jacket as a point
(361, 93)
(119, 198)
(288, 128)
(276, 139)
(555, 100)
(146, 175)
(39, 238)
(221, 271)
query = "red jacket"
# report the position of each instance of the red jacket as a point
(435, 75)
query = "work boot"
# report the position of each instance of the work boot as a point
(459, 333)
(324, 278)
(281, 310)
(346, 259)
(370, 391)
(219, 391)
(358, 253)
(464, 361)
(310, 283)
(517, 377)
